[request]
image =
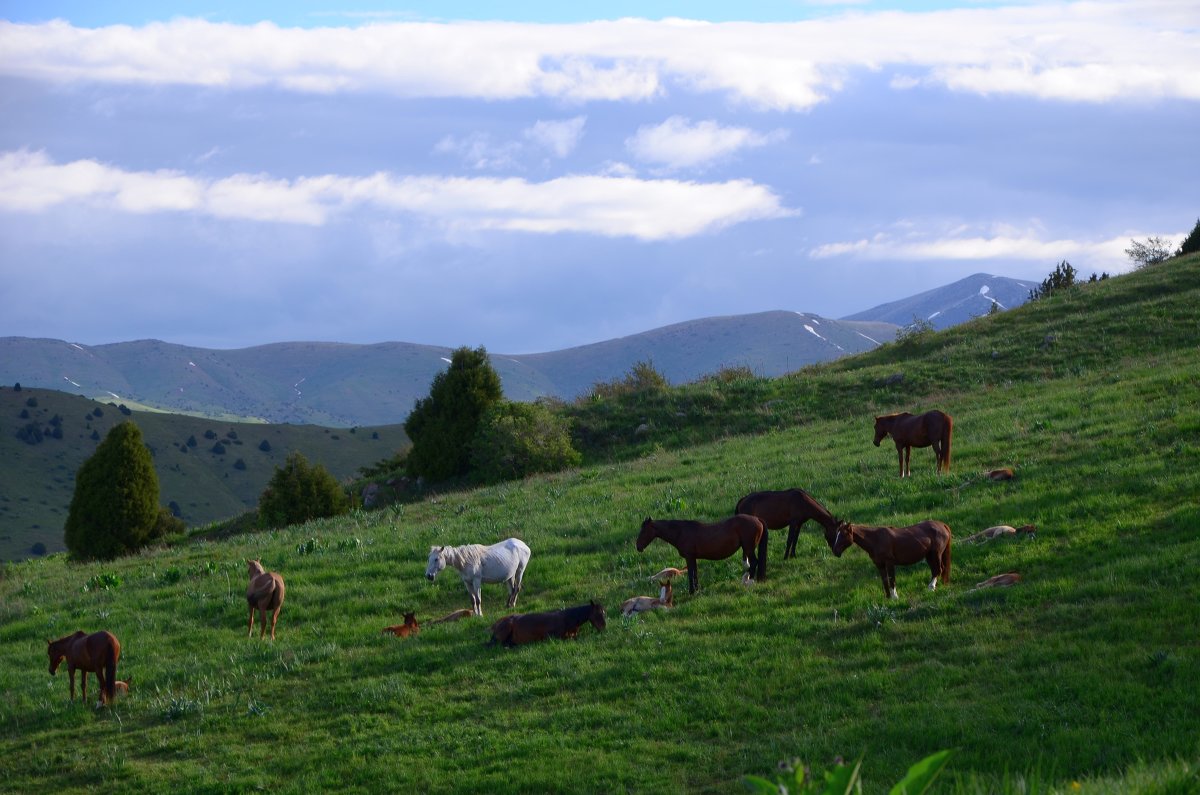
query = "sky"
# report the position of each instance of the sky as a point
(536, 176)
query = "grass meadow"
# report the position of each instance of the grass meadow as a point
(1082, 678)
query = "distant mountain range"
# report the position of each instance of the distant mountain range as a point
(344, 385)
(953, 304)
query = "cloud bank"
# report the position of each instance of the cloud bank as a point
(658, 209)
(1087, 52)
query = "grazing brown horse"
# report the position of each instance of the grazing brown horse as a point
(522, 628)
(409, 627)
(933, 428)
(264, 593)
(789, 508)
(889, 546)
(716, 541)
(97, 653)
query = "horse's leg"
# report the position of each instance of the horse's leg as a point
(274, 619)
(789, 549)
(82, 684)
(900, 457)
(476, 589)
(250, 631)
(883, 577)
(693, 580)
(908, 461)
(891, 575)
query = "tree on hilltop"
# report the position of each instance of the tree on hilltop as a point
(1190, 244)
(443, 424)
(114, 510)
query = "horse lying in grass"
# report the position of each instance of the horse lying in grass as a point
(1000, 531)
(522, 628)
(503, 562)
(455, 616)
(999, 581)
(264, 593)
(892, 546)
(669, 573)
(715, 541)
(96, 653)
(642, 604)
(409, 627)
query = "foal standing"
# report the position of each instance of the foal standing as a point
(264, 593)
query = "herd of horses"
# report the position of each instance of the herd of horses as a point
(746, 531)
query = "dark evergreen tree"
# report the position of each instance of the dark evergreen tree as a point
(519, 439)
(299, 492)
(1190, 244)
(443, 425)
(1062, 277)
(114, 510)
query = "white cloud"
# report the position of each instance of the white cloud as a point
(560, 137)
(677, 143)
(1004, 243)
(479, 151)
(610, 206)
(1078, 51)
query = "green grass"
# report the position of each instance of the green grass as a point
(1081, 678)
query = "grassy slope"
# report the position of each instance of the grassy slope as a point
(1085, 670)
(37, 481)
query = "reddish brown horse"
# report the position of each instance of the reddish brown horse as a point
(716, 541)
(892, 546)
(410, 626)
(522, 628)
(97, 653)
(789, 508)
(264, 593)
(933, 428)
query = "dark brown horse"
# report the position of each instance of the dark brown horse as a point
(97, 653)
(522, 628)
(716, 541)
(891, 546)
(933, 428)
(264, 593)
(789, 508)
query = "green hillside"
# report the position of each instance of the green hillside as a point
(37, 478)
(1079, 679)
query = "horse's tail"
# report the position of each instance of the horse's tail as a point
(762, 556)
(946, 563)
(947, 432)
(110, 675)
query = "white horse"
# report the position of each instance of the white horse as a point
(477, 564)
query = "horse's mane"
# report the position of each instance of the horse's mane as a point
(466, 556)
(578, 614)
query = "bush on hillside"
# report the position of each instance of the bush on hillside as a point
(1153, 251)
(642, 377)
(114, 510)
(1190, 244)
(443, 424)
(916, 331)
(299, 492)
(520, 439)
(1062, 277)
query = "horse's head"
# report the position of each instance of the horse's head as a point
(56, 655)
(881, 429)
(255, 567)
(410, 619)
(597, 616)
(647, 535)
(437, 562)
(840, 538)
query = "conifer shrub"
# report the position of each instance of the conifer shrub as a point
(114, 510)
(299, 492)
(443, 425)
(1190, 244)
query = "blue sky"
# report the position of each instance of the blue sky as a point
(225, 175)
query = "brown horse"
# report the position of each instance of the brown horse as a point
(889, 546)
(522, 628)
(264, 593)
(790, 508)
(97, 653)
(716, 541)
(409, 627)
(933, 428)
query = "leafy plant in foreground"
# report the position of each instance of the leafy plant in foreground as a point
(845, 779)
